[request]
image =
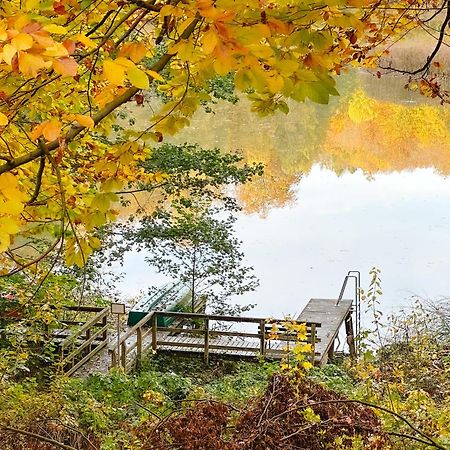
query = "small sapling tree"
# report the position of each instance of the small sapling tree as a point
(194, 243)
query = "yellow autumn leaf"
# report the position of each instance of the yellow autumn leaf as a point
(67, 67)
(77, 251)
(224, 65)
(9, 188)
(30, 64)
(55, 29)
(85, 121)
(210, 41)
(8, 53)
(13, 206)
(5, 241)
(31, 4)
(155, 75)
(113, 72)
(9, 225)
(275, 83)
(88, 43)
(138, 78)
(57, 49)
(22, 41)
(51, 129)
(3, 119)
(95, 243)
(133, 50)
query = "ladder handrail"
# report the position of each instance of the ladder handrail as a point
(356, 275)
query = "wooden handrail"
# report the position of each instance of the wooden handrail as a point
(83, 308)
(89, 324)
(124, 352)
(132, 330)
(217, 317)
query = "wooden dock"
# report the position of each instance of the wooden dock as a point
(207, 335)
(210, 335)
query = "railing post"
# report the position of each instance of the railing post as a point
(104, 323)
(89, 347)
(114, 358)
(313, 342)
(138, 347)
(154, 323)
(123, 354)
(206, 341)
(262, 331)
(350, 336)
(61, 363)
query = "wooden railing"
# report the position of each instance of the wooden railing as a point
(193, 332)
(84, 342)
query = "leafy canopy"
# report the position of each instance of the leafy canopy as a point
(68, 65)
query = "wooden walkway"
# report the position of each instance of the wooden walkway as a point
(206, 335)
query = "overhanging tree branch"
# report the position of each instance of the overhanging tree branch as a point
(100, 115)
(440, 41)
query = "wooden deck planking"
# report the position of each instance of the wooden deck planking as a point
(332, 317)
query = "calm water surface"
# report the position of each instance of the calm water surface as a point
(359, 183)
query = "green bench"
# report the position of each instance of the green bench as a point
(170, 297)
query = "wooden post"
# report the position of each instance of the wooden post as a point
(154, 323)
(61, 363)
(262, 336)
(89, 347)
(105, 333)
(350, 336)
(138, 347)
(113, 358)
(123, 354)
(207, 341)
(313, 343)
(331, 350)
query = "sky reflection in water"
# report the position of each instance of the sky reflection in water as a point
(398, 222)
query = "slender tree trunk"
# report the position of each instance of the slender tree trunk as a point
(193, 282)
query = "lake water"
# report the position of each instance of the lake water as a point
(361, 182)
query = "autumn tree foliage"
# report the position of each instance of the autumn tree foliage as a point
(68, 66)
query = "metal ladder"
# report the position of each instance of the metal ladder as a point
(356, 305)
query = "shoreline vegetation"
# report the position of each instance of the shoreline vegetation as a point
(394, 398)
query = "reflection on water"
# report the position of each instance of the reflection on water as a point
(357, 183)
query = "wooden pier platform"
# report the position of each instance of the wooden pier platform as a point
(331, 316)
